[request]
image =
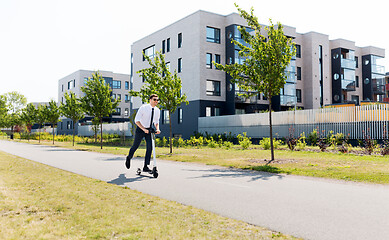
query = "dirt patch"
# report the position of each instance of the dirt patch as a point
(278, 161)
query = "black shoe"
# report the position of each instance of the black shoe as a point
(128, 162)
(146, 169)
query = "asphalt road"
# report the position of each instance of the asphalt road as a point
(300, 206)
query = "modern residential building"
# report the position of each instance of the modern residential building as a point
(323, 72)
(119, 83)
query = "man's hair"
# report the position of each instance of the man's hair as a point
(153, 95)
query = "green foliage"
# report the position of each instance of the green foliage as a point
(15, 101)
(195, 142)
(97, 101)
(159, 80)
(244, 141)
(265, 143)
(227, 144)
(265, 61)
(72, 109)
(313, 137)
(212, 143)
(178, 142)
(301, 144)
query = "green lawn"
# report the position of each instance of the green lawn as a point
(41, 202)
(350, 167)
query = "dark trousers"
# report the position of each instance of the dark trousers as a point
(139, 135)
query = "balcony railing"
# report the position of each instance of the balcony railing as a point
(348, 63)
(348, 85)
(377, 69)
(378, 86)
(287, 100)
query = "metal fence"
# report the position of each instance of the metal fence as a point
(121, 129)
(372, 120)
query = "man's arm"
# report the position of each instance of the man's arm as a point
(141, 127)
(157, 127)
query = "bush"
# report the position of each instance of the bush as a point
(195, 142)
(265, 143)
(301, 144)
(178, 142)
(227, 144)
(211, 143)
(244, 141)
(313, 137)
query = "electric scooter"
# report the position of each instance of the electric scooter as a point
(154, 172)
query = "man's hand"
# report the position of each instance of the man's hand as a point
(146, 131)
(158, 131)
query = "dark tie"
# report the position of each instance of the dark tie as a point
(152, 115)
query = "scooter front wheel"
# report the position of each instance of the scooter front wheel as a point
(155, 172)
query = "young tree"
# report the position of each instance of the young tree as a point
(265, 61)
(3, 110)
(72, 109)
(15, 103)
(41, 118)
(28, 117)
(53, 114)
(97, 101)
(159, 80)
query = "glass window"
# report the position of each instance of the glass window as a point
(356, 62)
(114, 96)
(116, 84)
(163, 46)
(298, 73)
(298, 51)
(208, 111)
(356, 81)
(126, 98)
(117, 111)
(168, 45)
(126, 112)
(217, 111)
(150, 52)
(209, 60)
(165, 117)
(127, 85)
(62, 87)
(213, 88)
(119, 97)
(179, 68)
(213, 35)
(179, 40)
(298, 95)
(180, 115)
(217, 58)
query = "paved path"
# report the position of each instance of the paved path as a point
(303, 207)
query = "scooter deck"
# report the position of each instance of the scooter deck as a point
(153, 172)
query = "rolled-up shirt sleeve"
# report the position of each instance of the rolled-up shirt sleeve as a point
(139, 114)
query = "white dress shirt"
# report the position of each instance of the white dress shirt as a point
(144, 115)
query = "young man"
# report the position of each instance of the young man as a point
(147, 115)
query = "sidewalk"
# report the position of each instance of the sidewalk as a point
(299, 206)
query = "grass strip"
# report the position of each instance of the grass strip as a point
(41, 202)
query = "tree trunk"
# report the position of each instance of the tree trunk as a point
(39, 133)
(52, 125)
(171, 134)
(73, 133)
(271, 132)
(101, 133)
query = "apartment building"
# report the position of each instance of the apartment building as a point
(120, 86)
(323, 72)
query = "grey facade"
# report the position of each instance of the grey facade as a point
(119, 83)
(202, 37)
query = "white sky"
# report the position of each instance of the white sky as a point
(42, 41)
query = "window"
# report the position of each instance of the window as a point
(74, 83)
(213, 35)
(356, 62)
(116, 84)
(167, 68)
(126, 98)
(119, 97)
(70, 85)
(62, 87)
(126, 112)
(355, 98)
(85, 80)
(356, 81)
(127, 85)
(209, 60)
(213, 88)
(208, 111)
(179, 40)
(168, 45)
(217, 59)
(165, 117)
(114, 96)
(298, 73)
(298, 95)
(180, 115)
(298, 51)
(117, 111)
(150, 52)
(217, 111)
(163, 46)
(69, 125)
(179, 68)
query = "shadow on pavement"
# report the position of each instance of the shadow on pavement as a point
(235, 173)
(122, 179)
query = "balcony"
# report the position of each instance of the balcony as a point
(348, 63)
(377, 69)
(287, 100)
(378, 86)
(291, 77)
(348, 85)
